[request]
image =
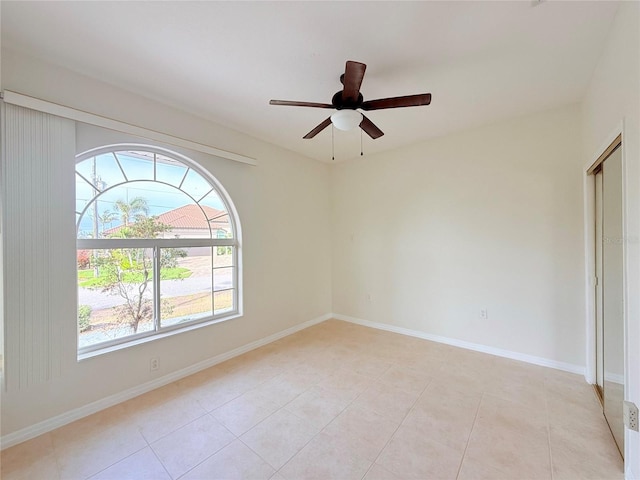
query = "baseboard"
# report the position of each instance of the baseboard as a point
(544, 362)
(76, 414)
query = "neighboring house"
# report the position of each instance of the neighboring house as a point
(190, 221)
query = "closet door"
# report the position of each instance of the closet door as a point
(612, 294)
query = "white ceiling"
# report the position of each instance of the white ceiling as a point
(482, 61)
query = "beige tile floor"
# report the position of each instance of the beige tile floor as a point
(340, 401)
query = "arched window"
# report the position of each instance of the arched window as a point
(157, 243)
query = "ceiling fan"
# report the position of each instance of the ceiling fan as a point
(348, 100)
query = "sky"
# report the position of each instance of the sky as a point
(127, 175)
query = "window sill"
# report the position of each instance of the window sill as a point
(153, 337)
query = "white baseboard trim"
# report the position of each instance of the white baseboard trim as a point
(544, 362)
(50, 424)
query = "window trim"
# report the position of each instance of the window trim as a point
(160, 243)
(139, 339)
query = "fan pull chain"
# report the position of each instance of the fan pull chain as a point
(361, 154)
(333, 148)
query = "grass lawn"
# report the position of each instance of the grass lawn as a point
(87, 280)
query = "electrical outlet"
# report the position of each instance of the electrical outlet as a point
(154, 364)
(630, 415)
(484, 314)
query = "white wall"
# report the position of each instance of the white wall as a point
(613, 99)
(489, 218)
(286, 251)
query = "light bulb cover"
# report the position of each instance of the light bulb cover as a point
(346, 119)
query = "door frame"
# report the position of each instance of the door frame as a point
(589, 194)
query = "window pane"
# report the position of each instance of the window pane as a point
(196, 185)
(109, 172)
(223, 302)
(102, 170)
(222, 278)
(99, 219)
(84, 192)
(85, 168)
(217, 215)
(185, 284)
(137, 165)
(212, 199)
(169, 170)
(222, 256)
(115, 294)
(220, 225)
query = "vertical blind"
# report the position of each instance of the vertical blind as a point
(39, 244)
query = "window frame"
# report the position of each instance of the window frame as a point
(156, 244)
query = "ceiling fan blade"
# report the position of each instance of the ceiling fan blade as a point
(370, 129)
(396, 102)
(290, 103)
(318, 129)
(353, 75)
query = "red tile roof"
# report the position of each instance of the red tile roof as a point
(191, 217)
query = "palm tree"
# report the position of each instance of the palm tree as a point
(107, 217)
(136, 207)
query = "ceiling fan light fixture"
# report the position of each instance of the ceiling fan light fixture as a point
(346, 119)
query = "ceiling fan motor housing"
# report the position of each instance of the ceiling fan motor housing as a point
(341, 104)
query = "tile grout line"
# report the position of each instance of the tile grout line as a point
(475, 418)
(178, 428)
(276, 470)
(546, 406)
(120, 460)
(209, 456)
(55, 456)
(322, 429)
(283, 407)
(159, 460)
(399, 425)
(374, 379)
(210, 414)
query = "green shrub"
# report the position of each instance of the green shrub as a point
(84, 314)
